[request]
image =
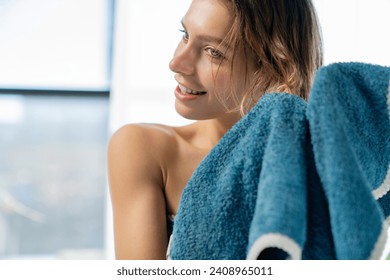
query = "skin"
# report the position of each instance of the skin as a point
(149, 164)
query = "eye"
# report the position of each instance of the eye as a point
(214, 53)
(186, 37)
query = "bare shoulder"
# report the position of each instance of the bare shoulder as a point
(148, 138)
(140, 152)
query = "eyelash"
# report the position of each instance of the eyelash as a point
(214, 53)
(185, 34)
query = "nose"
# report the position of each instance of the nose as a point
(183, 60)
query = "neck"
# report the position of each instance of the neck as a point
(211, 131)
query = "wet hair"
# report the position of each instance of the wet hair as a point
(283, 39)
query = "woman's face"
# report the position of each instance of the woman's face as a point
(203, 65)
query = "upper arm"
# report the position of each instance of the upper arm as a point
(137, 196)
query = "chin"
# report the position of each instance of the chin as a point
(192, 117)
(191, 113)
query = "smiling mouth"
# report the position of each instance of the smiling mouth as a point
(190, 91)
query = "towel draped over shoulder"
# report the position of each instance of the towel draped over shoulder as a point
(296, 180)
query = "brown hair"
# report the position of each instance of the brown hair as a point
(284, 38)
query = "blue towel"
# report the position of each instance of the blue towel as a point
(348, 113)
(296, 182)
(259, 163)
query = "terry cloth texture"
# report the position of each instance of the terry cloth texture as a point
(286, 183)
(259, 163)
(348, 113)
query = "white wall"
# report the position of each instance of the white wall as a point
(355, 30)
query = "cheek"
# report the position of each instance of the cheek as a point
(225, 87)
(228, 84)
(219, 79)
(242, 78)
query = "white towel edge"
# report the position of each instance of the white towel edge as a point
(275, 240)
(384, 188)
(379, 252)
(168, 253)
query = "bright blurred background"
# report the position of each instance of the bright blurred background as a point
(74, 71)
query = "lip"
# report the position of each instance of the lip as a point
(184, 96)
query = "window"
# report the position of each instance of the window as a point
(54, 85)
(52, 170)
(62, 45)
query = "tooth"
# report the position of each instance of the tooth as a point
(190, 91)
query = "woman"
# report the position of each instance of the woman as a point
(231, 53)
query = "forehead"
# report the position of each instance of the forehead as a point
(208, 16)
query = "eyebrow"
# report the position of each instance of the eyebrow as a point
(210, 39)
